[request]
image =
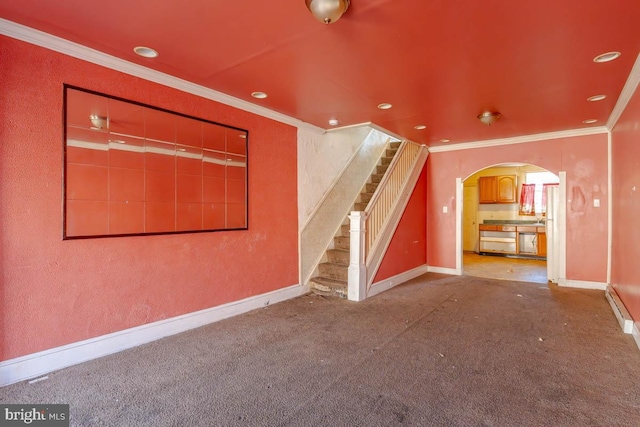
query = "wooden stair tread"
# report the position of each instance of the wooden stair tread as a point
(330, 287)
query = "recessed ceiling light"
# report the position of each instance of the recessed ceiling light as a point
(384, 106)
(146, 52)
(259, 95)
(333, 122)
(596, 98)
(444, 140)
(243, 136)
(589, 121)
(606, 57)
(420, 127)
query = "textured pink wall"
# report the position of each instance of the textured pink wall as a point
(584, 159)
(55, 292)
(625, 254)
(407, 249)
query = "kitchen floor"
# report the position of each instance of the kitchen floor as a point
(497, 267)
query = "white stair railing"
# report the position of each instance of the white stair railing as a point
(368, 227)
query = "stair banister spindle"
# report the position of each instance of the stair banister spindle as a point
(387, 192)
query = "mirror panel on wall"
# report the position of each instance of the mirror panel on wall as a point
(134, 169)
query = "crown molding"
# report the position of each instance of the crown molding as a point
(372, 126)
(75, 50)
(520, 139)
(625, 96)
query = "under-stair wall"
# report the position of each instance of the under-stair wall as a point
(334, 200)
(372, 229)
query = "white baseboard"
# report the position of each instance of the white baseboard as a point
(636, 334)
(623, 316)
(583, 284)
(443, 270)
(389, 283)
(36, 364)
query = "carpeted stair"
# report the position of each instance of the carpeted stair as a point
(333, 277)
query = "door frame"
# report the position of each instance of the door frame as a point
(561, 220)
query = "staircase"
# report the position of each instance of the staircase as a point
(333, 277)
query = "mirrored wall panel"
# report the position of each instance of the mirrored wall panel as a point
(135, 169)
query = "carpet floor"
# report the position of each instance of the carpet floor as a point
(436, 351)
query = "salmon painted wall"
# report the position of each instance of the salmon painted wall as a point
(55, 292)
(584, 158)
(408, 249)
(625, 145)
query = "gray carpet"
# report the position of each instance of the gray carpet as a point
(438, 350)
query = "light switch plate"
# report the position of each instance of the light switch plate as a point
(445, 209)
(596, 203)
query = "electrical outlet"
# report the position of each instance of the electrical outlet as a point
(445, 209)
(596, 203)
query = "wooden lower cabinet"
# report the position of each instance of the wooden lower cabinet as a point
(498, 239)
(511, 239)
(542, 244)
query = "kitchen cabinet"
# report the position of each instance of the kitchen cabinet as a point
(510, 239)
(498, 239)
(497, 189)
(542, 242)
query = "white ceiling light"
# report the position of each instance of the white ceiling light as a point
(444, 140)
(384, 106)
(259, 95)
(146, 52)
(606, 57)
(99, 122)
(589, 121)
(327, 11)
(333, 122)
(420, 127)
(488, 117)
(596, 98)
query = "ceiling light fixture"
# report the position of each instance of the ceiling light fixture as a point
(606, 57)
(99, 122)
(384, 106)
(420, 127)
(445, 140)
(589, 121)
(146, 52)
(488, 117)
(327, 11)
(333, 122)
(259, 95)
(595, 98)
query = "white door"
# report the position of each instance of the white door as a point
(469, 222)
(552, 231)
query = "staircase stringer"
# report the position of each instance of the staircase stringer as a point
(379, 249)
(371, 231)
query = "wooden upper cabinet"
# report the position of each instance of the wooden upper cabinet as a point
(497, 189)
(487, 187)
(506, 188)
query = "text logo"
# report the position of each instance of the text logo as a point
(36, 415)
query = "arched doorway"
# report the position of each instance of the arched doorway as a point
(503, 222)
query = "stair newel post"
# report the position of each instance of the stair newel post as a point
(357, 281)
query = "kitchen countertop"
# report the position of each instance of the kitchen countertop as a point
(512, 222)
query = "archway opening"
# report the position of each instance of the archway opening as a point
(504, 222)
